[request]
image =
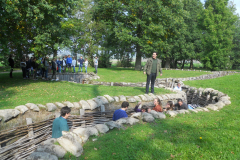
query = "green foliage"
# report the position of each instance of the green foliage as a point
(217, 22)
(235, 57)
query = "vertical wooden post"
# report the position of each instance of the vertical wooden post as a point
(82, 112)
(30, 129)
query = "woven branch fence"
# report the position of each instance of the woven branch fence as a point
(21, 141)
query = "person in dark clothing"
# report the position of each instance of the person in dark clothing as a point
(23, 66)
(54, 68)
(43, 68)
(152, 69)
(11, 64)
(28, 67)
(121, 113)
(35, 67)
(180, 105)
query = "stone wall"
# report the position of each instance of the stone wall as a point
(75, 77)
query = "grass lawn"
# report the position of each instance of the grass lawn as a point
(204, 135)
(17, 91)
(130, 75)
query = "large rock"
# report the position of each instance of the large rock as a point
(98, 101)
(116, 98)
(113, 124)
(220, 104)
(82, 133)
(103, 99)
(69, 143)
(51, 107)
(172, 113)
(7, 114)
(131, 100)
(121, 121)
(77, 105)
(92, 131)
(143, 98)
(152, 95)
(22, 109)
(49, 141)
(137, 115)
(149, 98)
(84, 105)
(32, 106)
(205, 109)
(122, 98)
(102, 128)
(159, 115)
(109, 98)
(52, 149)
(41, 106)
(160, 97)
(164, 97)
(137, 98)
(132, 121)
(92, 104)
(212, 107)
(147, 117)
(41, 156)
(69, 104)
(59, 105)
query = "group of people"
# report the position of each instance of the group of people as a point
(121, 113)
(40, 67)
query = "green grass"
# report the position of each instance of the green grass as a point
(130, 75)
(17, 91)
(179, 137)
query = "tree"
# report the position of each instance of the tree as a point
(145, 25)
(235, 56)
(217, 22)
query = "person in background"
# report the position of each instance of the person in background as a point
(64, 65)
(152, 67)
(178, 87)
(169, 106)
(43, 68)
(35, 68)
(54, 69)
(46, 64)
(145, 109)
(23, 66)
(121, 113)
(69, 63)
(96, 63)
(60, 123)
(59, 63)
(81, 60)
(28, 67)
(86, 64)
(158, 105)
(31, 59)
(181, 105)
(74, 64)
(11, 64)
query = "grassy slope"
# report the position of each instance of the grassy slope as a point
(16, 91)
(130, 75)
(178, 137)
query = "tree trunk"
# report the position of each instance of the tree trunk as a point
(138, 61)
(191, 64)
(167, 63)
(183, 64)
(175, 64)
(55, 53)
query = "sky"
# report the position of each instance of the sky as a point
(236, 2)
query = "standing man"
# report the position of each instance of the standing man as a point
(152, 67)
(11, 64)
(96, 63)
(69, 63)
(54, 69)
(81, 60)
(46, 64)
